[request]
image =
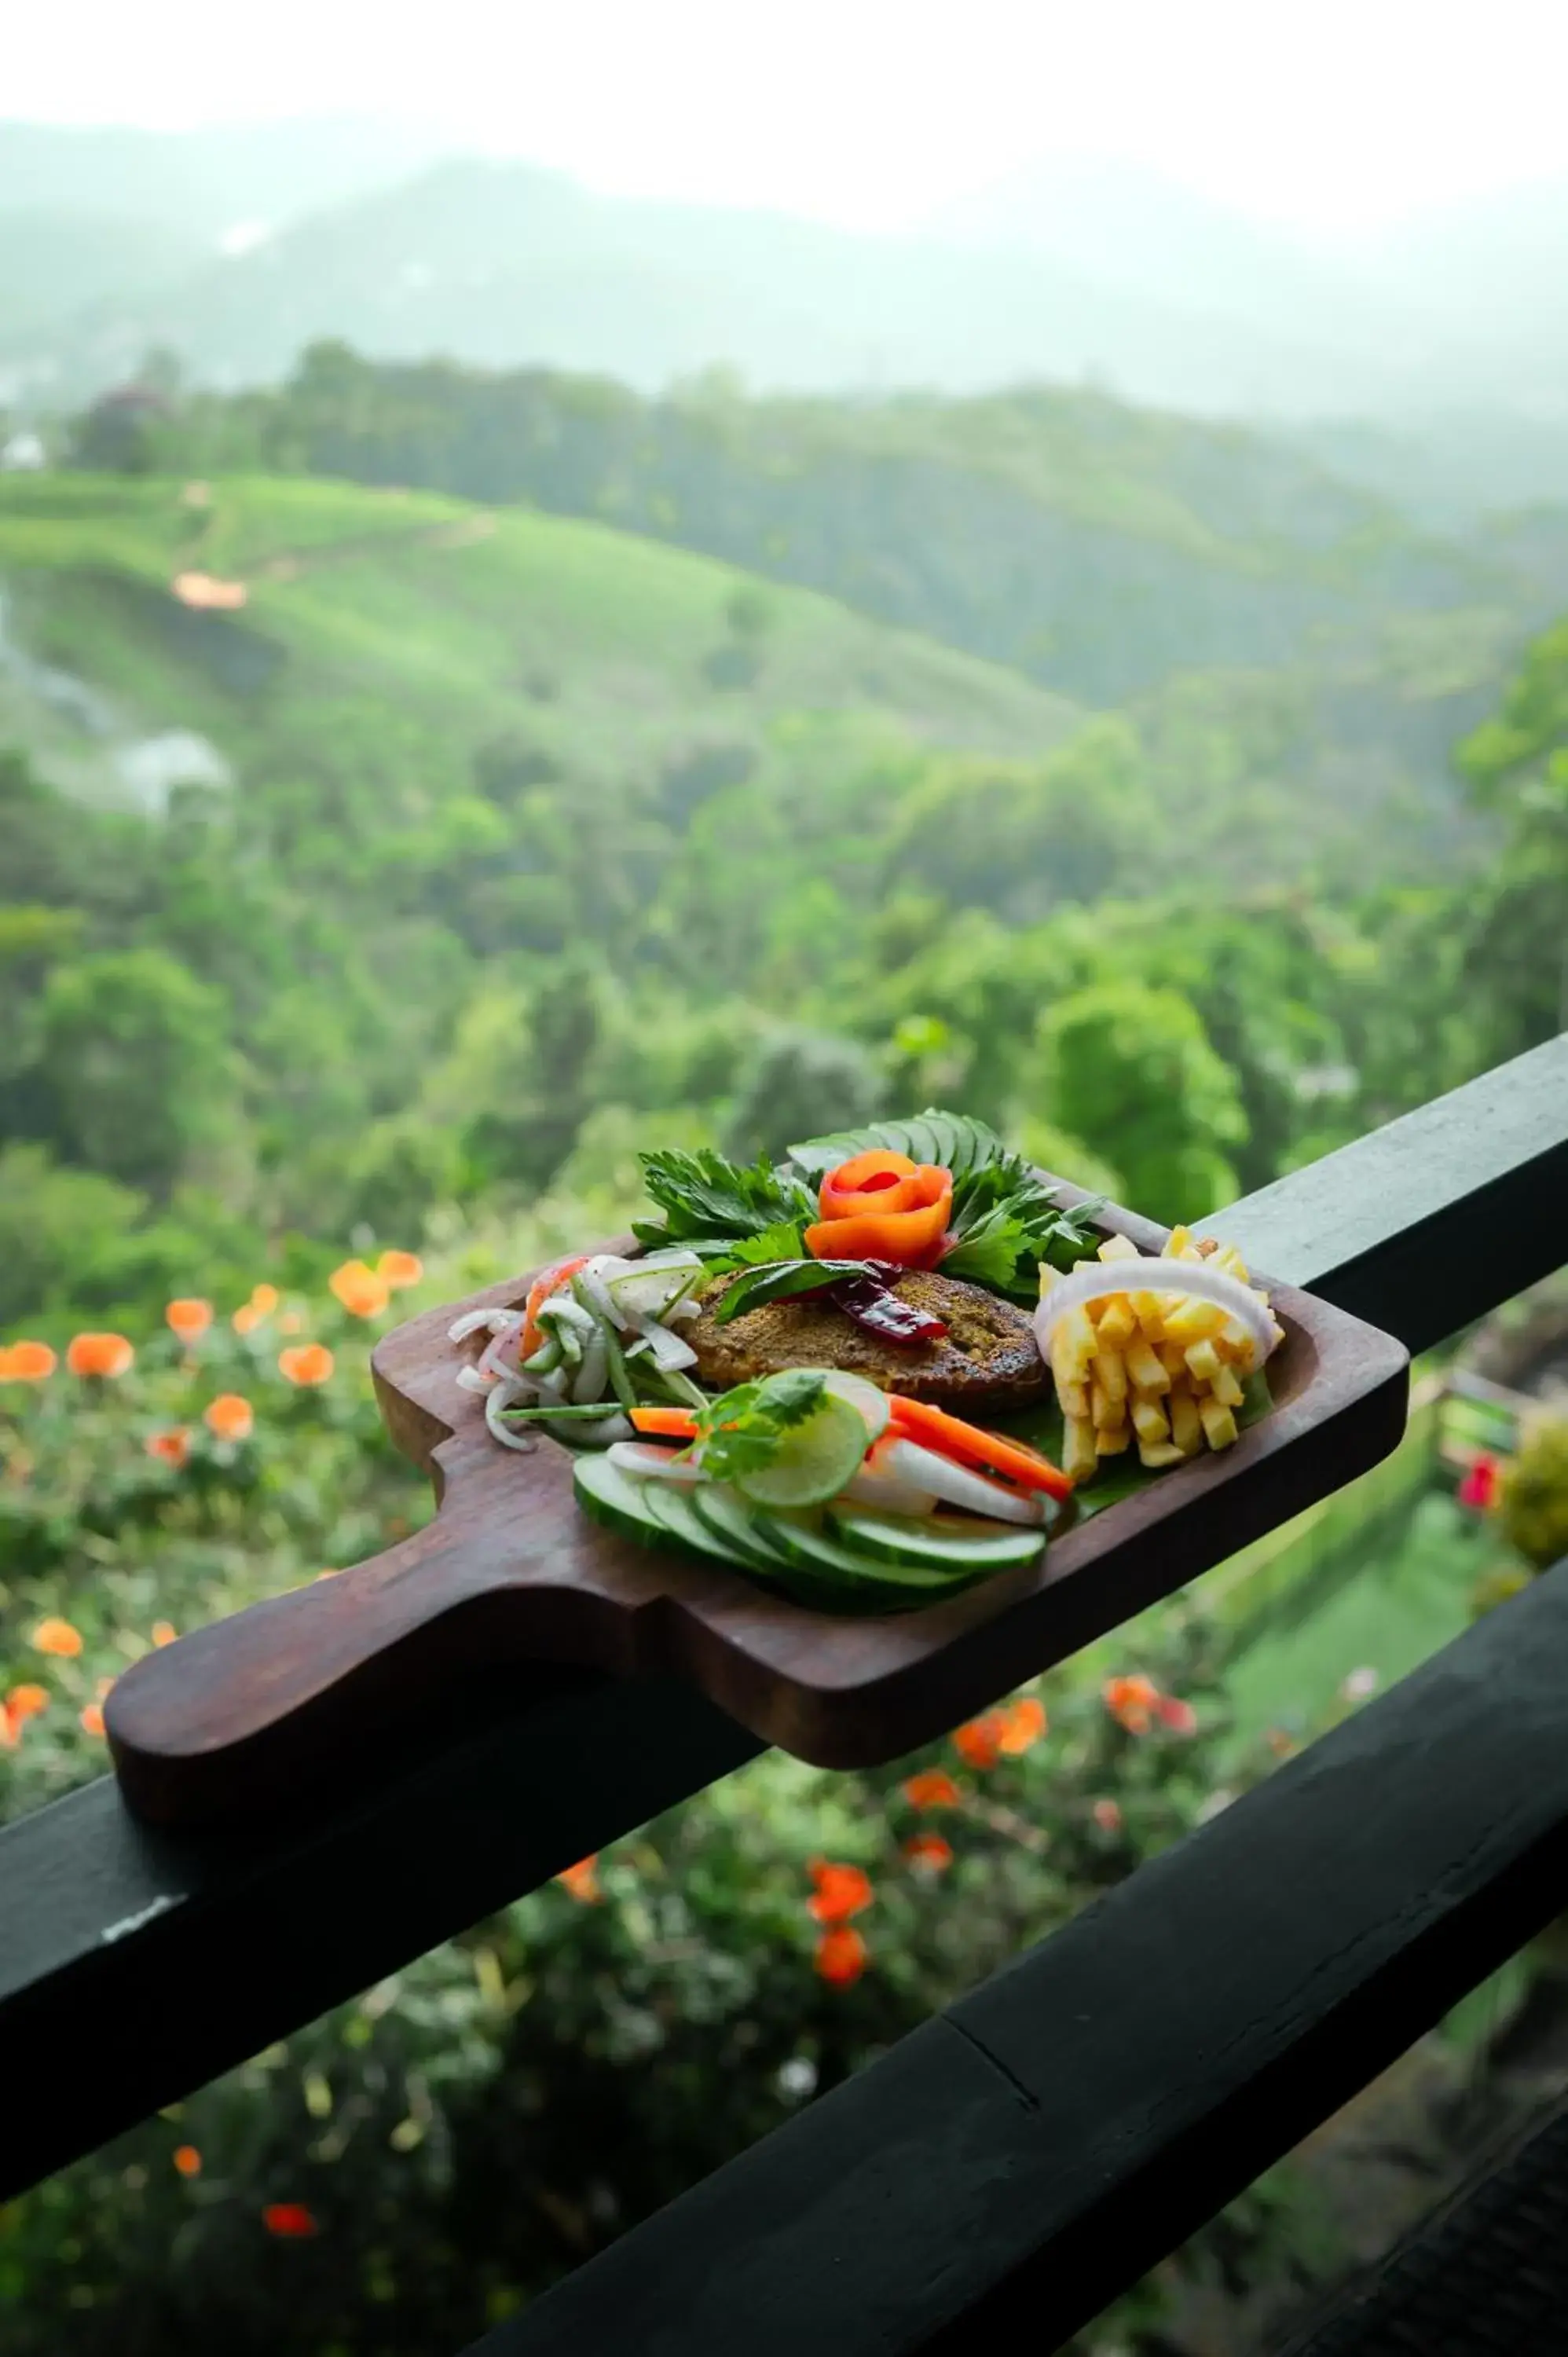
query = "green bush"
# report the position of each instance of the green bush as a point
(1535, 1494)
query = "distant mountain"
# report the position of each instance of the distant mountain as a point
(53, 265)
(503, 264)
(1072, 272)
(201, 183)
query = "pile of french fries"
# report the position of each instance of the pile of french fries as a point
(1165, 1370)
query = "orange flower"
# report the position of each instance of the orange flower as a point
(1107, 1815)
(362, 1293)
(306, 1362)
(10, 1729)
(291, 1322)
(263, 1300)
(247, 1317)
(1022, 1724)
(164, 1632)
(188, 2160)
(978, 1740)
(173, 1446)
(92, 1718)
(58, 1637)
(1178, 1715)
(841, 1891)
(399, 1269)
(26, 1362)
(188, 1318)
(26, 1702)
(100, 1354)
(933, 1788)
(581, 1879)
(929, 1850)
(841, 1957)
(1133, 1700)
(289, 2220)
(230, 1416)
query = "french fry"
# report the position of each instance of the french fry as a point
(1119, 1323)
(1074, 1398)
(1119, 1248)
(1078, 1455)
(1225, 1389)
(1219, 1424)
(1173, 1357)
(1157, 1454)
(1186, 1426)
(1194, 1321)
(1112, 1443)
(1110, 1374)
(1145, 1369)
(1203, 1362)
(1151, 1315)
(1150, 1421)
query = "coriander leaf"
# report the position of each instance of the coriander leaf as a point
(779, 1280)
(703, 1195)
(741, 1430)
(778, 1243)
(990, 1251)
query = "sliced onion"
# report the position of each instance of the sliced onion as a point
(602, 1432)
(643, 1292)
(958, 1485)
(470, 1380)
(668, 1352)
(561, 1310)
(598, 1296)
(506, 1395)
(646, 1457)
(472, 1321)
(588, 1383)
(499, 1355)
(1093, 1280)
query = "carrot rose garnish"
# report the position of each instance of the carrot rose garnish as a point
(881, 1206)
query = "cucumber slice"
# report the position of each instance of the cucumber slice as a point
(677, 1514)
(815, 1460)
(940, 1544)
(806, 1543)
(731, 1523)
(626, 1505)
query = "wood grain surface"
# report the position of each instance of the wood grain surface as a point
(244, 1716)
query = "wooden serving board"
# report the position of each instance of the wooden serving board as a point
(246, 1713)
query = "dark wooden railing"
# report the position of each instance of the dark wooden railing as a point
(1070, 2121)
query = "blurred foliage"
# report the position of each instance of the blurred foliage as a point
(1535, 1493)
(548, 842)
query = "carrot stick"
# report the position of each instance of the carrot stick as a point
(665, 1423)
(970, 1445)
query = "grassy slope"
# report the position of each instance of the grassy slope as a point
(458, 624)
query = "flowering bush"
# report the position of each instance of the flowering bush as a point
(456, 2137)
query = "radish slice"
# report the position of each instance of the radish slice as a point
(1093, 1280)
(874, 1405)
(878, 1485)
(646, 1457)
(957, 1485)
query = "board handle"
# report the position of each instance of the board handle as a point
(243, 1714)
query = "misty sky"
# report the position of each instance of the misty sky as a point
(1338, 115)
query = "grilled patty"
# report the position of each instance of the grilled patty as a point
(987, 1358)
